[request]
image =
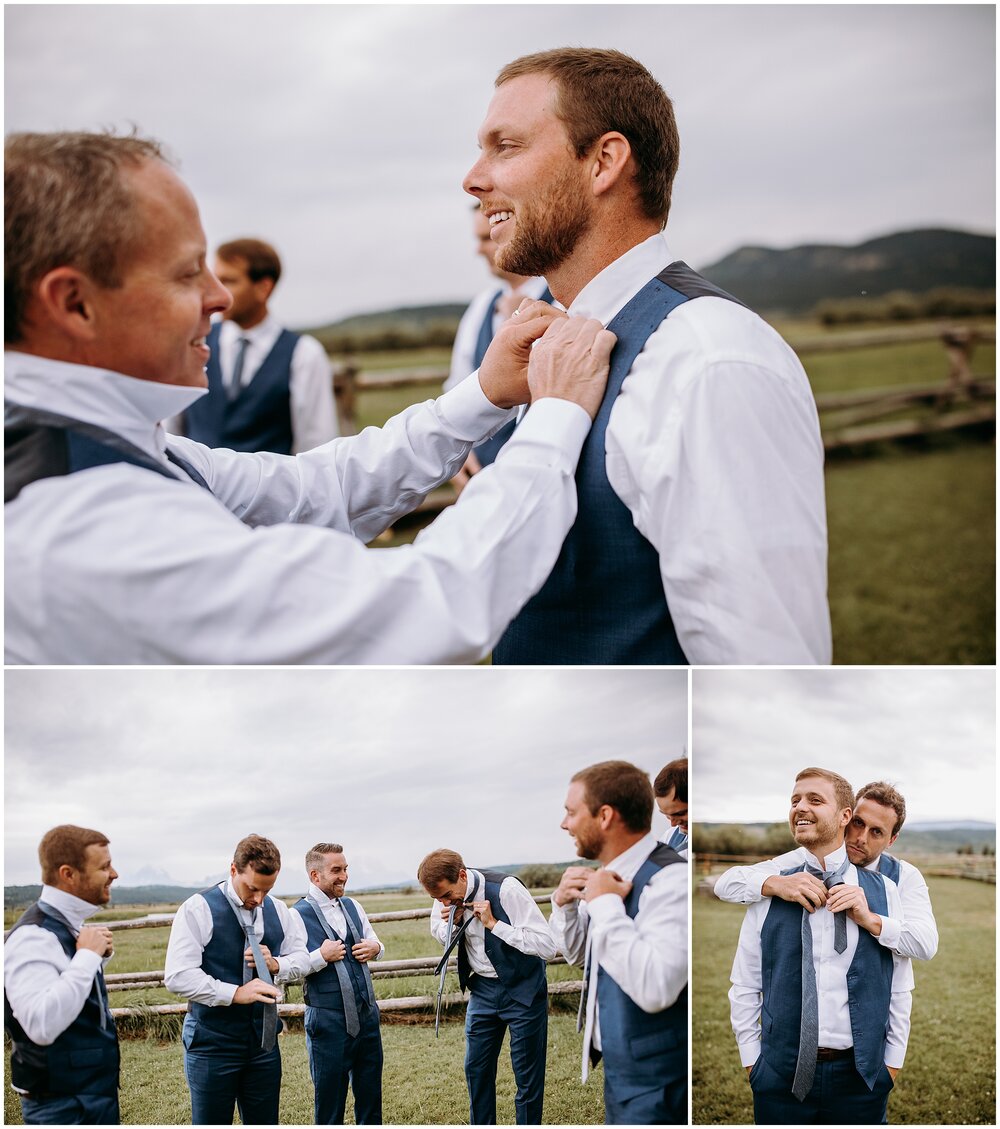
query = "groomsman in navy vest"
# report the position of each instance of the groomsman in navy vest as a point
(627, 924)
(671, 791)
(229, 947)
(477, 328)
(342, 1017)
(64, 1045)
(878, 814)
(269, 389)
(821, 1009)
(502, 943)
(701, 532)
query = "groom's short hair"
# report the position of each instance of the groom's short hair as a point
(842, 790)
(885, 794)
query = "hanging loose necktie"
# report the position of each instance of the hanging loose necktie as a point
(236, 380)
(270, 1031)
(351, 1020)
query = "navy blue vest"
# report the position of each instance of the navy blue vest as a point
(869, 985)
(523, 976)
(488, 450)
(322, 988)
(84, 1058)
(603, 603)
(260, 417)
(889, 866)
(223, 959)
(641, 1048)
(40, 444)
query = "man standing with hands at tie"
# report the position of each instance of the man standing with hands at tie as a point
(820, 1009)
(502, 944)
(627, 924)
(342, 1017)
(228, 947)
(64, 1045)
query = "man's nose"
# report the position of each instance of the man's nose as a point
(476, 182)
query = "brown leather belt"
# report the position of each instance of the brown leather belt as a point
(829, 1054)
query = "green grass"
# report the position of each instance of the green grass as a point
(949, 1076)
(920, 362)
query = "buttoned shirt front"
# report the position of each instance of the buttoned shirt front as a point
(746, 995)
(47, 989)
(646, 956)
(191, 931)
(336, 917)
(116, 564)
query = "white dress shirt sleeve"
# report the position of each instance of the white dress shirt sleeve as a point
(189, 934)
(568, 926)
(312, 403)
(915, 935)
(528, 931)
(439, 924)
(646, 955)
(721, 465)
(294, 958)
(746, 996)
(742, 884)
(45, 989)
(367, 932)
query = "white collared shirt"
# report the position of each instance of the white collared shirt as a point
(336, 917)
(310, 382)
(191, 931)
(47, 989)
(463, 352)
(915, 935)
(746, 995)
(714, 446)
(116, 564)
(646, 956)
(527, 931)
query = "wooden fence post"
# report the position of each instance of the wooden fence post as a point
(345, 393)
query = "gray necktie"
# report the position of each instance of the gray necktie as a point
(236, 380)
(831, 878)
(351, 1021)
(805, 1066)
(270, 1032)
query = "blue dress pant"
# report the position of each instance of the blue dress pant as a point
(490, 1012)
(226, 1075)
(839, 1096)
(71, 1109)
(627, 1104)
(338, 1061)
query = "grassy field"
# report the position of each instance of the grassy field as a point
(424, 1081)
(912, 526)
(949, 1077)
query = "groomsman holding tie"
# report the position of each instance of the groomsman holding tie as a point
(64, 1045)
(627, 924)
(502, 942)
(671, 791)
(229, 946)
(342, 1017)
(820, 1008)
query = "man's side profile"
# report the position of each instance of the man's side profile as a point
(670, 789)
(229, 947)
(626, 923)
(269, 389)
(343, 1038)
(701, 532)
(502, 943)
(126, 546)
(820, 1009)
(64, 1061)
(477, 328)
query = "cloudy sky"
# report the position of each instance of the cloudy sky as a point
(342, 132)
(932, 732)
(176, 766)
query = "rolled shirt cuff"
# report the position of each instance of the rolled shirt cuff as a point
(749, 1052)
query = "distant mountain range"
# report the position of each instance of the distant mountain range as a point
(793, 280)
(924, 837)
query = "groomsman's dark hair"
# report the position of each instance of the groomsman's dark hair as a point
(621, 786)
(66, 845)
(439, 866)
(884, 793)
(258, 853)
(673, 776)
(261, 259)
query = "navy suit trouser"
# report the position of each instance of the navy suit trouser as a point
(71, 1109)
(839, 1096)
(224, 1075)
(338, 1062)
(490, 1012)
(627, 1102)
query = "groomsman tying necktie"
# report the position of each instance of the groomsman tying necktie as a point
(342, 1016)
(229, 946)
(671, 791)
(501, 961)
(64, 1046)
(627, 924)
(820, 1007)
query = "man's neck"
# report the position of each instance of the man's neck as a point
(603, 244)
(617, 844)
(821, 851)
(249, 320)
